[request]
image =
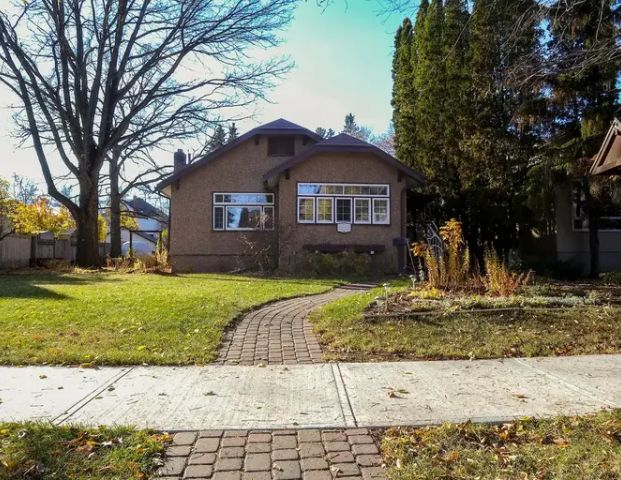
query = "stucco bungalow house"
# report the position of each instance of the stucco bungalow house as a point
(281, 190)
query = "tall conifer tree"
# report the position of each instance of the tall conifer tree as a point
(403, 99)
(457, 108)
(429, 88)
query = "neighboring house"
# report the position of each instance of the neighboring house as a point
(572, 236)
(150, 220)
(281, 190)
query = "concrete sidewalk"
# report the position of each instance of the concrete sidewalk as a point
(312, 396)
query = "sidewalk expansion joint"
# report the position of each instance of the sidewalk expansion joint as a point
(88, 398)
(345, 403)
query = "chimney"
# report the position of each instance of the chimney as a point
(180, 159)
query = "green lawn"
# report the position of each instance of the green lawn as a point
(45, 452)
(345, 335)
(563, 448)
(116, 319)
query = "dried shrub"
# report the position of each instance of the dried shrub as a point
(260, 253)
(452, 268)
(499, 280)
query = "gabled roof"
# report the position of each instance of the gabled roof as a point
(608, 159)
(144, 208)
(347, 144)
(277, 127)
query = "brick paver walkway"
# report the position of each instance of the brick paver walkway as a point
(278, 455)
(279, 333)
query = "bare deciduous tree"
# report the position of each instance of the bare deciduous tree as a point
(85, 71)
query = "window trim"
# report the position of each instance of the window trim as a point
(336, 210)
(369, 201)
(332, 213)
(298, 209)
(388, 211)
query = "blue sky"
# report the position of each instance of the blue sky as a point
(342, 56)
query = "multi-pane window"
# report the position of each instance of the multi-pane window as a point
(362, 210)
(243, 211)
(380, 211)
(343, 210)
(325, 212)
(343, 203)
(306, 210)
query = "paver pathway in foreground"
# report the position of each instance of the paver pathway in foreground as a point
(276, 454)
(279, 333)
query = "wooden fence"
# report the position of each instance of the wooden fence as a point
(20, 251)
(15, 251)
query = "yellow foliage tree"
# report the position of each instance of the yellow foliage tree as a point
(128, 221)
(33, 219)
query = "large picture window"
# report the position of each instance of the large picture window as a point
(343, 203)
(243, 211)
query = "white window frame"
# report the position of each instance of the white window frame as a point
(369, 201)
(387, 200)
(336, 212)
(312, 199)
(226, 205)
(332, 215)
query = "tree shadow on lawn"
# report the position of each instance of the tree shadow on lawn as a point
(30, 285)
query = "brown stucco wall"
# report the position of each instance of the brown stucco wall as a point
(194, 245)
(340, 168)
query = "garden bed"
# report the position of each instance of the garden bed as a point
(426, 301)
(543, 321)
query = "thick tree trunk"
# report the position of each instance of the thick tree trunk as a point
(115, 209)
(87, 254)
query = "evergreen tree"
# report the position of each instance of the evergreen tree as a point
(232, 133)
(352, 128)
(324, 133)
(218, 139)
(498, 144)
(430, 91)
(457, 109)
(403, 98)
